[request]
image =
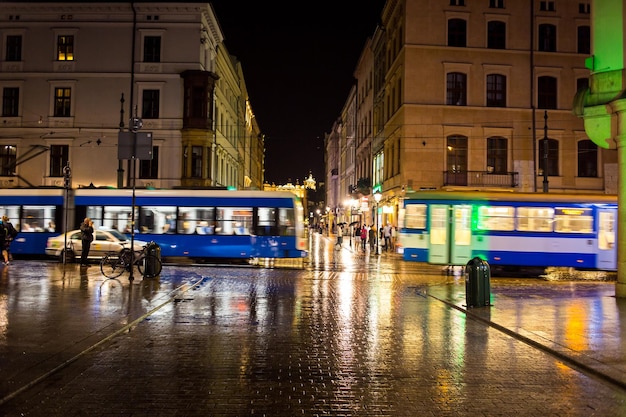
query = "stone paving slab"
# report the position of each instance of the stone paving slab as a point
(360, 336)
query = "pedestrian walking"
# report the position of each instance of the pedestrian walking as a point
(339, 236)
(11, 234)
(4, 233)
(363, 237)
(86, 237)
(372, 237)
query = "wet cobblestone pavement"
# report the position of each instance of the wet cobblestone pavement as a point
(344, 334)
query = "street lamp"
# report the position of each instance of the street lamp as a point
(377, 197)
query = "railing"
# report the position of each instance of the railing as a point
(480, 179)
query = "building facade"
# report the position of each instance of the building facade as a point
(475, 95)
(74, 76)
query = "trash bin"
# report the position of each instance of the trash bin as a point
(151, 268)
(477, 283)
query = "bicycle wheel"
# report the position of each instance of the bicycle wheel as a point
(150, 266)
(112, 266)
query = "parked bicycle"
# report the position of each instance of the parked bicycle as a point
(114, 264)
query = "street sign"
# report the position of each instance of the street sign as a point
(131, 144)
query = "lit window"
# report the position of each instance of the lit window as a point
(65, 48)
(535, 219)
(496, 218)
(62, 102)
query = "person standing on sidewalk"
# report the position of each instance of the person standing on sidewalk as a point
(11, 233)
(387, 236)
(86, 237)
(4, 236)
(372, 236)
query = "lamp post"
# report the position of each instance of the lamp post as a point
(377, 197)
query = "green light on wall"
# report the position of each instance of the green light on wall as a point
(607, 36)
(606, 83)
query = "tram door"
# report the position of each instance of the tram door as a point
(461, 235)
(439, 226)
(450, 234)
(607, 239)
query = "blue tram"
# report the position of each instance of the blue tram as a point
(510, 229)
(199, 224)
(36, 214)
(203, 223)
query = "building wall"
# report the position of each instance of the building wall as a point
(411, 60)
(101, 71)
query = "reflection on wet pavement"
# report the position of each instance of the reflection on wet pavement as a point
(345, 334)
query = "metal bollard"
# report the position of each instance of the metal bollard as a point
(477, 283)
(150, 269)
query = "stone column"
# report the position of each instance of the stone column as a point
(619, 108)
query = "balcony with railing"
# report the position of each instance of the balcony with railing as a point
(481, 179)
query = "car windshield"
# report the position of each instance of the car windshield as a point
(119, 236)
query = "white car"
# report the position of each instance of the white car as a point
(105, 240)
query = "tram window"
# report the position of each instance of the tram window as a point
(35, 218)
(114, 217)
(573, 220)
(286, 222)
(266, 222)
(157, 219)
(535, 219)
(198, 220)
(606, 230)
(496, 218)
(415, 216)
(186, 220)
(233, 220)
(205, 221)
(13, 213)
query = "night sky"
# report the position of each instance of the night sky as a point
(298, 64)
(298, 60)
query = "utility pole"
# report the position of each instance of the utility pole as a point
(67, 184)
(545, 151)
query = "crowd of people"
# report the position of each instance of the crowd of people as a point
(365, 235)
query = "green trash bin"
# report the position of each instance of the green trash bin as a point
(477, 283)
(151, 266)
